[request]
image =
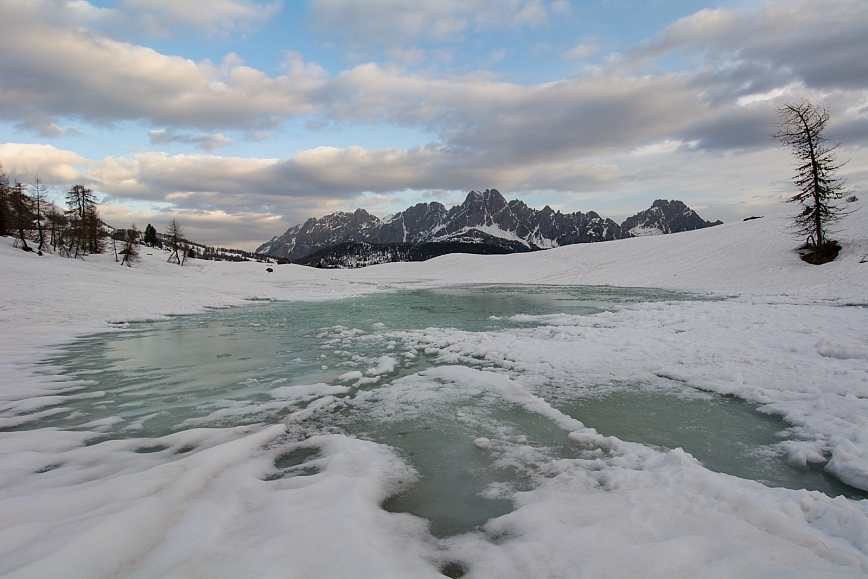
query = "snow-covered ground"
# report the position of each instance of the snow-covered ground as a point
(791, 336)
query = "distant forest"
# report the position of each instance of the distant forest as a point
(354, 254)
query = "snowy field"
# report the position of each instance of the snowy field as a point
(86, 491)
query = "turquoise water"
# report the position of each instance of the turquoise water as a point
(221, 368)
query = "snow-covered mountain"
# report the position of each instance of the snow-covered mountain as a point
(484, 217)
(665, 217)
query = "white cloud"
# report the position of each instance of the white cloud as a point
(212, 17)
(701, 28)
(581, 52)
(54, 166)
(82, 74)
(395, 23)
(765, 96)
(820, 42)
(205, 141)
(85, 76)
(161, 17)
(663, 147)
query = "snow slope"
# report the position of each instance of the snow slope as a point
(791, 337)
(754, 256)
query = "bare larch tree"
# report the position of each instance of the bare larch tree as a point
(85, 226)
(800, 128)
(174, 237)
(39, 199)
(22, 213)
(130, 250)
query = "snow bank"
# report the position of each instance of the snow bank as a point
(219, 510)
(754, 256)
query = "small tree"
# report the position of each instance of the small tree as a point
(801, 129)
(130, 250)
(150, 235)
(38, 188)
(22, 214)
(174, 237)
(57, 224)
(85, 227)
(4, 202)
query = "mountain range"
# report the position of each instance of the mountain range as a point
(485, 218)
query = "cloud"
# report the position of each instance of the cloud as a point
(819, 42)
(295, 188)
(211, 17)
(88, 76)
(204, 141)
(733, 70)
(580, 52)
(238, 230)
(53, 166)
(388, 24)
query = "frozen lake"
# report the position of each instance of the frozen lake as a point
(362, 367)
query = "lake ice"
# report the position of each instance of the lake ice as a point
(368, 408)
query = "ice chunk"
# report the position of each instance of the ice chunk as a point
(849, 465)
(385, 365)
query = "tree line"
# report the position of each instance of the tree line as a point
(39, 225)
(77, 230)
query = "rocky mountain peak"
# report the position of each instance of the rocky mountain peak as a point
(663, 217)
(484, 217)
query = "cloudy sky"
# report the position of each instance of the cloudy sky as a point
(241, 118)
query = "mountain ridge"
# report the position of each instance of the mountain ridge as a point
(484, 217)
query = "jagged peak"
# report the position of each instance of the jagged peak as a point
(487, 196)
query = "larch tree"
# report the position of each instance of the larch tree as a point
(130, 250)
(85, 226)
(22, 214)
(800, 128)
(38, 188)
(174, 237)
(56, 222)
(4, 202)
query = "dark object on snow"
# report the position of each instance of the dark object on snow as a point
(268, 269)
(453, 569)
(818, 255)
(753, 217)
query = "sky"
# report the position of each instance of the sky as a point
(241, 118)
